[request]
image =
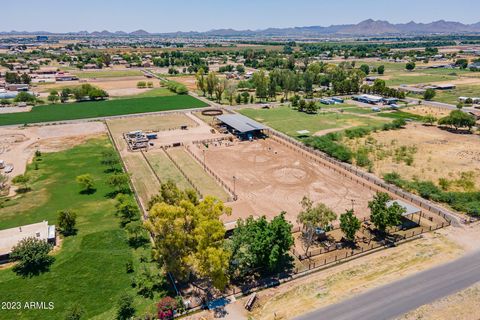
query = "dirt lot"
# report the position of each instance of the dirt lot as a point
(18, 144)
(116, 87)
(440, 154)
(188, 81)
(167, 128)
(437, 112)
(271, 178)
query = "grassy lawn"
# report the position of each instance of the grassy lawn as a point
(141, 176)
(290, 121)
(83, 110)
(416, 78)
(400, 115)
(90, 267)
(165, 169)
(108, 74)
(204, 182)
(451, 96)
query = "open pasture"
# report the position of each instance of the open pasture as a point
(290, 121)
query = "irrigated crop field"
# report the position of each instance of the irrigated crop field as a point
(83, 110)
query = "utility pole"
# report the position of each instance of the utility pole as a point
(234, 192)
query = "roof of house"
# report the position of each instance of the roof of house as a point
(410, 209)
(241, 123)
(10, 237)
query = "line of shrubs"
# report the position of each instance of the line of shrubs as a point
(332, 145)
(468, 202)
(176, 87)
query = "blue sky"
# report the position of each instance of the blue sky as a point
(202, 15)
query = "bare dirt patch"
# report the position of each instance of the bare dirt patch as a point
(18, 144)
(437, 112)
(440, 154)
(270, 178)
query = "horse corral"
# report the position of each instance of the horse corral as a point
(268, 177)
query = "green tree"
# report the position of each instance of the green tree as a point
(260, 81)
(119, 181)
(365, 68)
(201, 81)
(126, 208)
(86, 182)
(461, 63)
(349, 224)
(23, 180)
(25, 97)
(458, 119)
(313, 217)
(53, 96)
(429, 119)
(125, 307)
(220, 88)
(260, 247)
(410, 66)
(31, 255)
(189, 235)
(382, 215)
(429, 94)
(211, 83)
(230, 90)
(381, 69)
(65, 95)
(66, 221)
(110, 159)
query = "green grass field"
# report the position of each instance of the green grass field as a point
(204, 182)
(84, 110)
(165, 169)
(90, 267)
(108, 74)
(290, 121)
(451, 96)
(417, 78)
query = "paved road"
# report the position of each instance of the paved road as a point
(397, 298)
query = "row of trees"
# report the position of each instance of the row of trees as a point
(190, 240)
(342, 79)
(319, 216)
(458, 119)
(81, 93)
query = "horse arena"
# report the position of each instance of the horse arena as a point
(271, 177)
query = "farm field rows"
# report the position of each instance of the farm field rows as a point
(85, 110)
(165, 169)
(108, 74)
(204, 182)
(90, 267)
(142, 176)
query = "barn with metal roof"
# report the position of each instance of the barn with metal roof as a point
(243, 127)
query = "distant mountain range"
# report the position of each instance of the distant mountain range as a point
(365, 28)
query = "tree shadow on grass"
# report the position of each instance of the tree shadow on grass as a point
(88, 191)
(114, 193)
(34, 269)
(137, 242)
(23, 190)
